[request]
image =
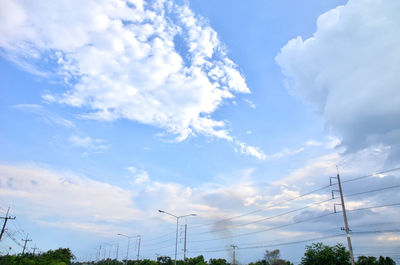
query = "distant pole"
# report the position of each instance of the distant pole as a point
(6, 218)
(177, 222)
(346, 224)
(116, 255)
(184, 246)
(234, 254)
(138, 250)
(26, 241)
(34, 250)
(98, 253)
(127, 249)
(127, 252)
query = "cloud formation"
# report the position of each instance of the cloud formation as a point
(349, 70)
(63, 195)
(151, 62)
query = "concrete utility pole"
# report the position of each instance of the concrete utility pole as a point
(234, 254)
(184, 245)
(34, 249)
(346, 224)
(127, 249)
(98, 254)
(138, 250)
(26, 241)
(6, 218)
(177, 222)
(116, 254)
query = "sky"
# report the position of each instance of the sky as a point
(236, 111)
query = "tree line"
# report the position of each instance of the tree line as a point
(315, 254)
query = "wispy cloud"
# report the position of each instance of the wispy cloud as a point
(45, 115)
(86, 142)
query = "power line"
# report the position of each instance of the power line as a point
(295, 242)
(295, 210)
(370, 191)
(371, 175)
(268, 218)
(268, 229)
(262, 210)
(297, 222)
(292, 199)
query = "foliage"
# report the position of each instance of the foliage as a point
(61, 256)
(363, 260)
(164, 260)
(318, 254)
(218, 262)
(196, 261)
(273, 258)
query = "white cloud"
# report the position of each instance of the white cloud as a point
(140, 176)
(45, 115)
(349, 69)
(91, 145)
(313, 143)
(286, 152)
(40, 192)
(251, 150)
(251, 104)
(155, 63)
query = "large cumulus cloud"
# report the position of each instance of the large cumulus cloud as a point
(350, 70)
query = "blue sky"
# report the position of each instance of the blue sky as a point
(111, 110)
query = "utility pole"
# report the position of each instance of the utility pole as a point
(26, 241)
(6, 218)
(116, 255)
(34, 249)
(346, 224)
(234, 254)
(98, 254)
(184, 245)
(138, 250)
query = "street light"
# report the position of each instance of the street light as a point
(177, 220)
(127, 249)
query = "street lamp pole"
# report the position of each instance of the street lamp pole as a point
(177, 222)
(127, 249)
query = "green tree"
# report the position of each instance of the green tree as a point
(218, 262)
(164, 260)
(318, 254)
(363, 260)
(199, 260)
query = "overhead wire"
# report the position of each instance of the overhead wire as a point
(293, 242)
(292, 199)
(294, 223)
(288, 212)
(371, 175)
(261, 210)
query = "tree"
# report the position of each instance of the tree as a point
(270, 256)
(164, 260)
(318, 254)
(218, 262)
(273, 258)
(363, 260)
(199, 260)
